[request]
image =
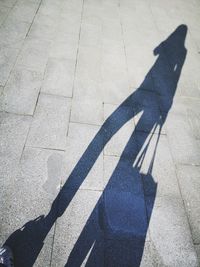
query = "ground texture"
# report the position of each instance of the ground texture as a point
(66, 66)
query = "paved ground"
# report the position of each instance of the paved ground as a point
(65, 67)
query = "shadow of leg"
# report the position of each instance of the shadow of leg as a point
(89, 246)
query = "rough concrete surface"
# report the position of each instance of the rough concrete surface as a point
(100, 132)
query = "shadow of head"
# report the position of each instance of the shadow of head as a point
(174, 44)
(164, 75)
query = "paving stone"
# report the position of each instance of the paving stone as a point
(85, 88)
(110, 11)
(45, 253)
(110, 164)
(42, 31)
(126, 221)
(24, 11)
(1, 98)
(122, 252)
(137, 67)
(110, 46)
(88, 73)
(150, 257)
(63, 50)
(191, 19)
(183, 145)
(189, 78)
(198, 252)
(69, 38)
(88, 61)
(194, 31)
(135, 47)
(87, 112)
(7, 3)
(190, 185)
(166, 16)
(121, 176)
(114, 76)
(85, 133)
(92, 12)
(12, 34)
(21, 91)
(49, 8)
(14, 130)
(161, 168)
(31, 1)
(59, 76)
(193, 114)
(113, 58)
(90, 34)
(69, 25)
(76, 216)
(194, 120)
(115, 91)
(72, 8)
(7, 60)
(80, 142)
(50, 124)
(111, 30)
(118, 142)
(186, 106)
(148, 117)
(130, 205)
(40, 171)
(34, 54)
(130, 25)
(45, 20)
(170, 234)
(150, 120)
(3, 12)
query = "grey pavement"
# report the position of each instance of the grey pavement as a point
(66, 66)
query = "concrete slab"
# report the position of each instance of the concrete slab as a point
(39, 171)
(12, 34)
(189, 183)
(7, 60)
(118, 142)
(14, 130)
(170, 233)
(3, 13)
(50, 124)
(21, 91)
(183, 145)
(198, 251)
(8, 3)
(87, 112)
(24, 11)
(77, 215)
(79, 139)
(59, 77)
(34, 54)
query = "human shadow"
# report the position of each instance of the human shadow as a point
(115, 232)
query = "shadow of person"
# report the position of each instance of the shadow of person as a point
(115, 232)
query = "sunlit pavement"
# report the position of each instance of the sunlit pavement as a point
(65, 67)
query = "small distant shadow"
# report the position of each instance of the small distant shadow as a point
(115, 233)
